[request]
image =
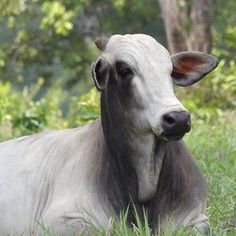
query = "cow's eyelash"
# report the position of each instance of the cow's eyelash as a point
(123, 69)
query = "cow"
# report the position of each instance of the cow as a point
(132, 153)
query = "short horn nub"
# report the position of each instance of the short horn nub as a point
(101, 43)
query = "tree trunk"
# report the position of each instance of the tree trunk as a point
(187, 24)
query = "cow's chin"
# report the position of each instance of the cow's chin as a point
(168, 136)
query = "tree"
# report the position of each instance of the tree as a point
(53, 41)
(187, 24)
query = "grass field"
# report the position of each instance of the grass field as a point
(214, 147)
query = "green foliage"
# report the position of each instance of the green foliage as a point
(224, 29)
(20, 115)
(84, 108)
(56, 16)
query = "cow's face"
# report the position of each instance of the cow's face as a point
(143, 73)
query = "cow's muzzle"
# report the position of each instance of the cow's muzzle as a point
(175, 124)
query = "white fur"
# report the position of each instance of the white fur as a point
(152, 82)
(48, 177)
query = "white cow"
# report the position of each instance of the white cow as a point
(63, 179)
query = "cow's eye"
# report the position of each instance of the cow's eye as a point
(126, 72)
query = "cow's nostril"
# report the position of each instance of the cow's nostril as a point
(169, 119)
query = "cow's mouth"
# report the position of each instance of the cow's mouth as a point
(172, 137)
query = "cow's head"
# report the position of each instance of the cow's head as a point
(143, 73)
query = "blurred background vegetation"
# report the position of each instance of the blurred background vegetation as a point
(46, 48)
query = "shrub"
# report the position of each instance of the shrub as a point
(84, 108)
(21, 115)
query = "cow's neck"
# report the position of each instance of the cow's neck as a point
(135, 160)
(147, 161)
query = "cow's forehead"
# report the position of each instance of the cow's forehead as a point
(135, 47)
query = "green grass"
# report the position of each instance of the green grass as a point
(214, 147)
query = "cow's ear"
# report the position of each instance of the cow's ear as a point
(101, 73)
(190, 67)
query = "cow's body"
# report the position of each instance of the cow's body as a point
(63, 179)
(52, 179)
(48, 178)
